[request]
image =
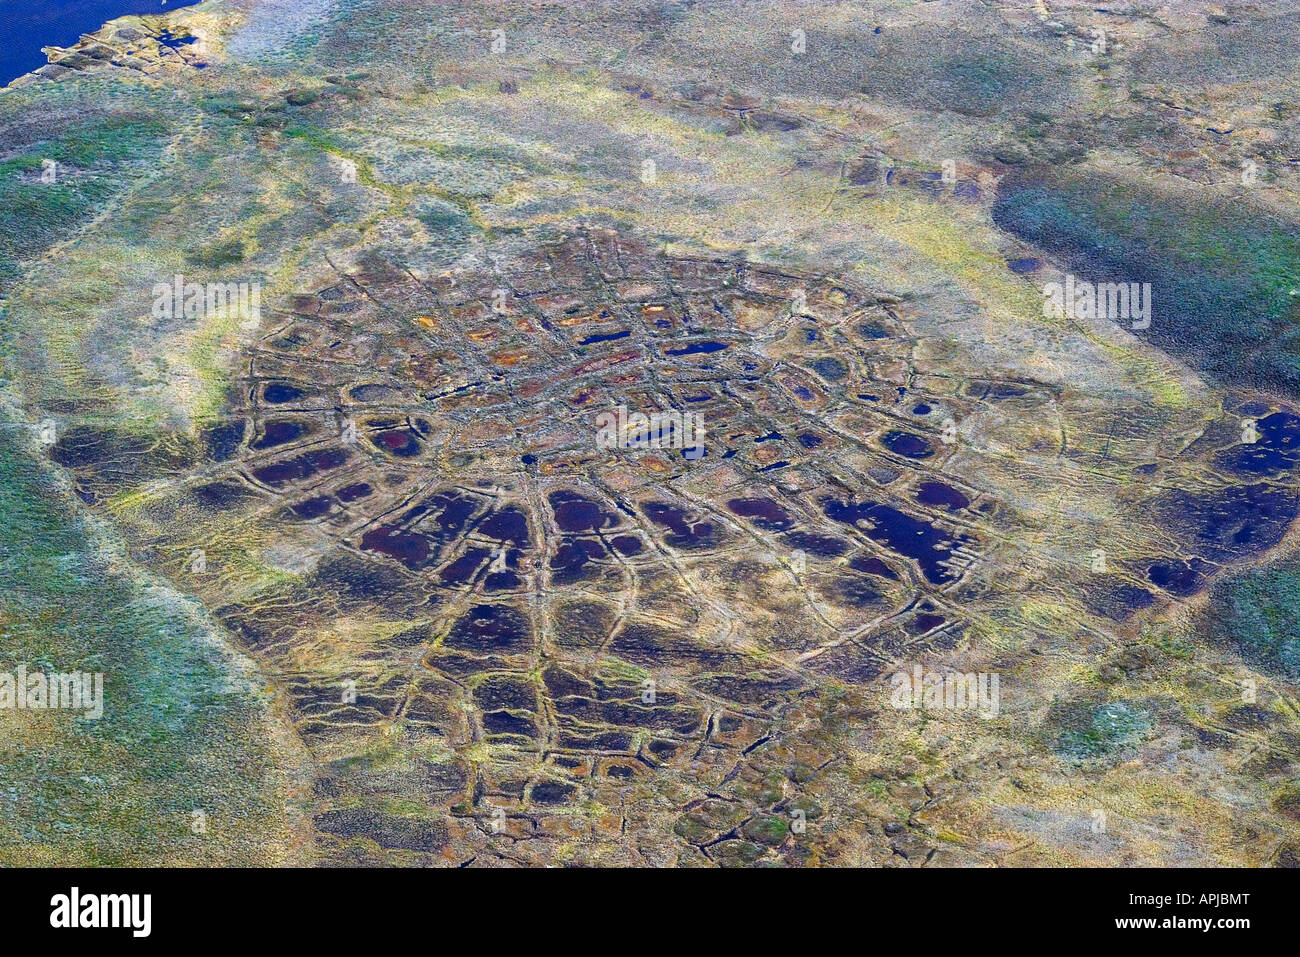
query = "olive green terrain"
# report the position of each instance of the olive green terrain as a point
(364, 586)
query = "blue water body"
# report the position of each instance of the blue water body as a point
(610, 337)
(28, 25)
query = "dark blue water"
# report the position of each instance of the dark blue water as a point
(28, 25)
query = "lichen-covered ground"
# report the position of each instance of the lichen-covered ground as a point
(366, 588)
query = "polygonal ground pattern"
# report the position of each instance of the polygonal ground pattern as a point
(406, 516)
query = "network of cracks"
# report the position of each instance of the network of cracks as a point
(406, 517)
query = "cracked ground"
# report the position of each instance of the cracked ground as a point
(445, 626)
